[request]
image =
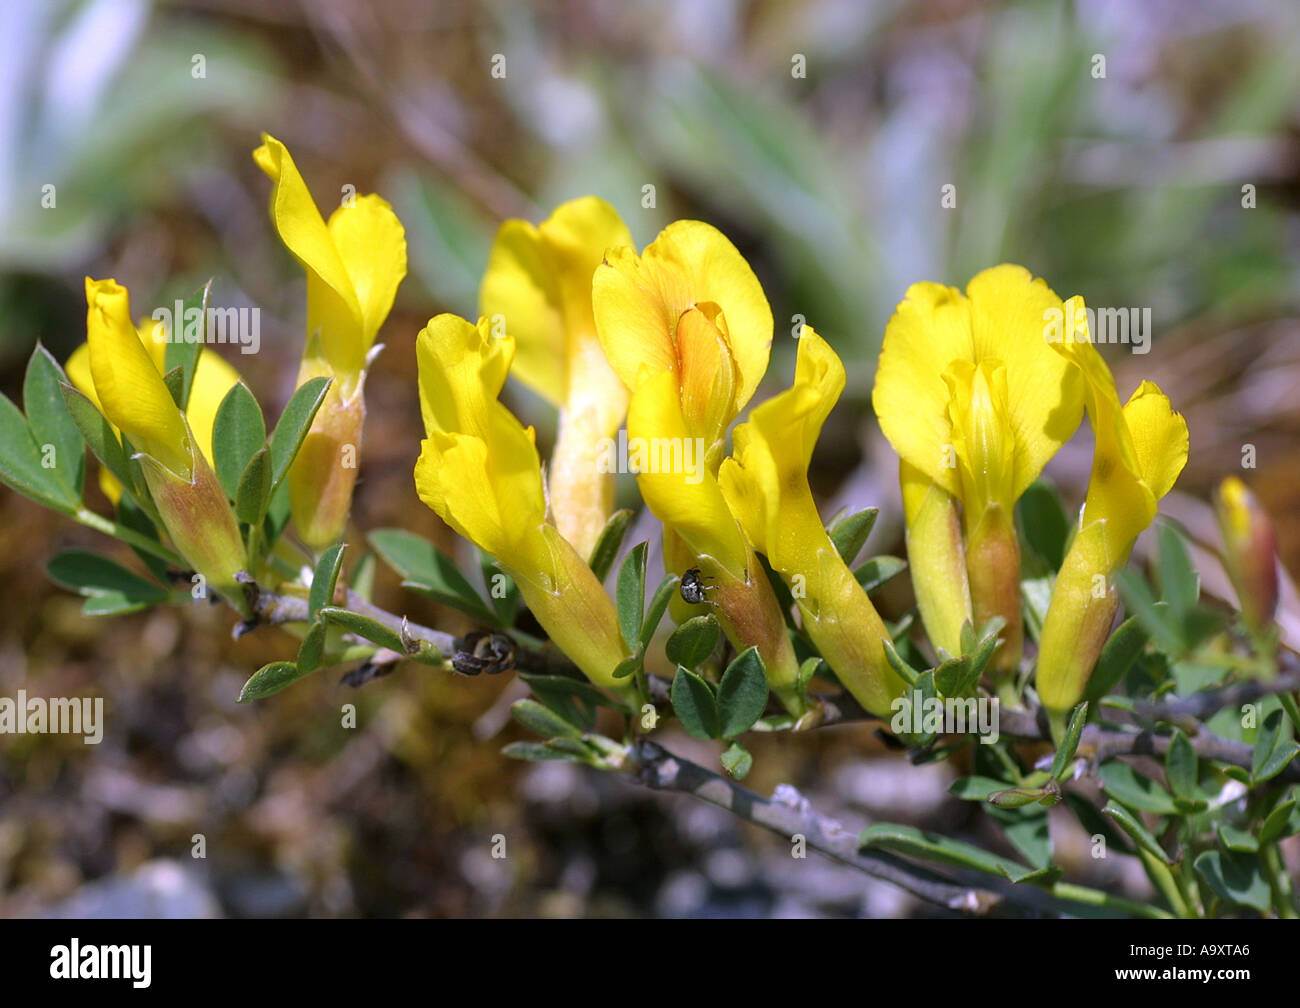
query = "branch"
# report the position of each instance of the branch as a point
(787, 813)
(273, 609)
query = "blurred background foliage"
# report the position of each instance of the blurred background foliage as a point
(1127, 189)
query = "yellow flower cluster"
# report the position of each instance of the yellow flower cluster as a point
(976, 391)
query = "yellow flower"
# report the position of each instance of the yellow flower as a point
(687, 328)
(480, 471)
(354, 265)
(766, 486)
(213, 378)
(1139, 451)
(538, 285)
(975, 402)
(119, 370)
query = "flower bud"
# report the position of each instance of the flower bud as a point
(1249, 552)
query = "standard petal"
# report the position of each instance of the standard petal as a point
(372, 244)
(299, 223)
(712, 269)
(1011, 311)
(521, 287)
(635, 304)
(929, 329)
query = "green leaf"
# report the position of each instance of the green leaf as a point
(909, 674)
(742, 694)
(1117, 657)
(1138, 833)
(1044, 522)
(311, 652)
(104, 443)
(937, 847)
(362, 626)
(50, 421)
(180, 352)
(1030, 835)
(1019, 797)
(294, 424)
(983, 653)
(695, 705)
(175, 382)
(737, 760)
(693, 641)
(541, 720)
(1070, 743)
(20, 463)
(1181, 767)
(130, 514)
(609, 543)
(1236, 878)
(237, 433)
(502, 592)
(1280, 822)
(552, 685)
(1156, 617)
(849, 534)
(807, 670)
(537, 752)
(914, 705)
(1179, 584)
(1126, 785)
(253, 495)
(1273, 748)
(629, 666)
(658, 605)
(975, 788)
(631, 595)
(955, 677)
(97, 577)
(269, 679)
(877, 571)
(428, 570)
(277, 515)
(1235, 839)
(1094, 823)
(324, 579)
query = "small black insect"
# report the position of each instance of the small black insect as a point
(692, 588)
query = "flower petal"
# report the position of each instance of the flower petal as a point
(372, 244)
(130, 390)
(1010, 315)
(540, 279)
(639, 301)
(929, 329)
